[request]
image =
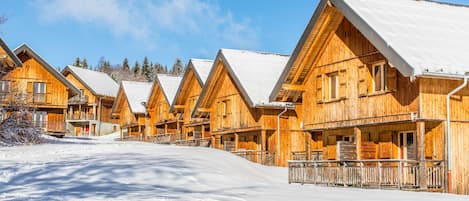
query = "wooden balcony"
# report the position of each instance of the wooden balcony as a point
(50, 126)
(167, 138)
(261, 157)
(198, 142)
(304, 155)
(390, 174)
(81, 117)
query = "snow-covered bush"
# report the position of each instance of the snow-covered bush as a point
(19, 129)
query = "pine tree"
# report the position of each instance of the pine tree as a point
(125, 65)
(146, 68)
(136, 68)
(178, 67)
(77, 62)
(84, 64)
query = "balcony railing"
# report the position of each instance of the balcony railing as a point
(39, 98)
(82, 116)
(194, 142)
(397, 174)
(261, 157)
(168, 138)
(303, 155)
(50, 126)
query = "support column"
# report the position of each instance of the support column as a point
(140, 132)
(202, 132)
(94, 111)
(358, 138)
(121, 134)
(236, 141)
(263, 140)
(308, 137)
(212, 143)
(421, 154)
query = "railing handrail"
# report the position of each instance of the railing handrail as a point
(362, 161)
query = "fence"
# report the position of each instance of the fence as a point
(194, 143)
(303, 155)
(261, 157)
(399, 174)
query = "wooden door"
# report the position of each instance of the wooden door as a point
(407, 146)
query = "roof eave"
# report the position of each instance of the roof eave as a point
(51, 69)
(10, 53)
(317, 13)
(383, 47)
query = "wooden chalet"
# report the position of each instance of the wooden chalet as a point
(195, 131)
(242, 120)
(165, 126)
(40, 87)
(89, 113)
(129, 108)
(383, 89)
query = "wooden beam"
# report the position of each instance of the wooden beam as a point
(203, 109)
(263, 140)
(358, 139)
(179, 106)
(236, 141)
(293, 87)
(421, 154)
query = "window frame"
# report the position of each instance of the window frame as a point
(336, 87)
(382, 68)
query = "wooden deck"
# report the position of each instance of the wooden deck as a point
(390, 174)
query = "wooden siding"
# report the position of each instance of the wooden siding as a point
(158, 111)
(231, 119)
(351, 55)
(22, 79)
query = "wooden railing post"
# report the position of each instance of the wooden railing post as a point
(399, 172)
(362, 175)
(380, 172)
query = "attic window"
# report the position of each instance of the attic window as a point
(333, 85)
(379, 77)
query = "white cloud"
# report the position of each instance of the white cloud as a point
(145, 19)
(118, 17)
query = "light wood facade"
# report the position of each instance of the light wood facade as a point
(38, 86)
(130, 110)
(246, 130)
(162, 122)
(351, 94)
(193, 129)
(89, 113)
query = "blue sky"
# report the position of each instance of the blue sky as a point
(163, 30)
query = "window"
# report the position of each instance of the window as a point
(223, 113)
(379, 77)
(4, 89)
(40, 119)
(4, 86)
(333, 85)
(39, 92)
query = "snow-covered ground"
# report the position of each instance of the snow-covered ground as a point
(102, 169)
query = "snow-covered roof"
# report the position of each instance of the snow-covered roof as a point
(98, 83)
(256, 72)
(417, 37)
(28, 50)
(202, 68)
(136, 93)
(169, 85)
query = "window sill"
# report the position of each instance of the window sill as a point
(332, 100)
(377, 93)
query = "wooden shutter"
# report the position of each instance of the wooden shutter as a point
(29, 90)
(319, 88)
(385, 145)
(342, 83)
(391, 78)
(48, 93)
(362, 81)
